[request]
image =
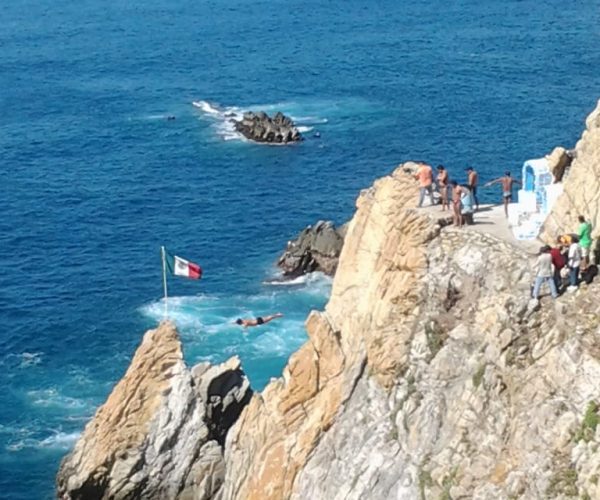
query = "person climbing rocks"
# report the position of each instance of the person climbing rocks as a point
(544, 273)
(574, 263)
(472, 181)
(257, 321)
(584, 232)
(443, 186)
(507, 186)
(425, 177)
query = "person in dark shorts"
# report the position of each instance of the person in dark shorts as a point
(472, 181)
(257, 321)
(507, 187)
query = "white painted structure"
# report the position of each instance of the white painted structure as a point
(535, 199)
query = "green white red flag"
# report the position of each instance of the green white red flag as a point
(181, 267)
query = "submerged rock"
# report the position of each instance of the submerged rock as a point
(160, 432)
(317, 248)
(260, 127)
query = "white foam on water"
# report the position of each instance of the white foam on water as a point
(57, 440)
(22, 360)
(52, 398)
(279, 342)
(303, 129)
(206, 107)
(209, 333)
(317, 281)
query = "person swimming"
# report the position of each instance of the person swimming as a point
(257, 321)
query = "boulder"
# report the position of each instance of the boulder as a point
(317, 248)
(260, 127)
(160, 432)
(558, 161)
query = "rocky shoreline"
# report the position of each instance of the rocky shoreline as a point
(428, 375)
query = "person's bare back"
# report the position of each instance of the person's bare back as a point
(507, 183)
(259, 320)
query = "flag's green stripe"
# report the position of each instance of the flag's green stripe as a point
(170, 262)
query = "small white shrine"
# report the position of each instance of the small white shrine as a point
(535, 199)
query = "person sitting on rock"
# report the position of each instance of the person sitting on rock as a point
(257, 321)
(507, 185)
(425, 177)
(544, 273)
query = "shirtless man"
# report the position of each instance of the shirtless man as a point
(507, 184)
(257, 321)
(443, 185)
(425, 177)
(456, 203)
(472, 181)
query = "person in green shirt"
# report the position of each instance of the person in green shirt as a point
(584, 231)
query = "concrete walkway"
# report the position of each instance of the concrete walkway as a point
(489, 219)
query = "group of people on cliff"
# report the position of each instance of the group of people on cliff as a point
(462, 196)
(568, 262)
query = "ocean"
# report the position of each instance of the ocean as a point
(95, 178)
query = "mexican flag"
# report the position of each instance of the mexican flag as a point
(181, 267)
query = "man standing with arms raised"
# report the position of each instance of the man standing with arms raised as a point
(507, 186)
(472, 181)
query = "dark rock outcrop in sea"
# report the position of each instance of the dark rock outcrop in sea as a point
(260, 127)
(317, 248)
(161, 432)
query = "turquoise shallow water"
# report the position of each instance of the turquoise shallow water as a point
(95, 179)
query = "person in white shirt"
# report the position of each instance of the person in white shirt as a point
(574, 263)
(544, 273)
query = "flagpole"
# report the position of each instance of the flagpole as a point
(164, 266)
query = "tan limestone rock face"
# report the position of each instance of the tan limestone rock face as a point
(367, 322)
(120, 425)
(581, 194)
(159, 433)
(381, 265)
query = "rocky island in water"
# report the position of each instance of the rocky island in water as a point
(429, 375)
(260, 127)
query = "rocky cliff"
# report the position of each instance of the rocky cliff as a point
(581, 194)
(161, 431)
(430, 374)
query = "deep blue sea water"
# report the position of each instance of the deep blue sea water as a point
(95, 179)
